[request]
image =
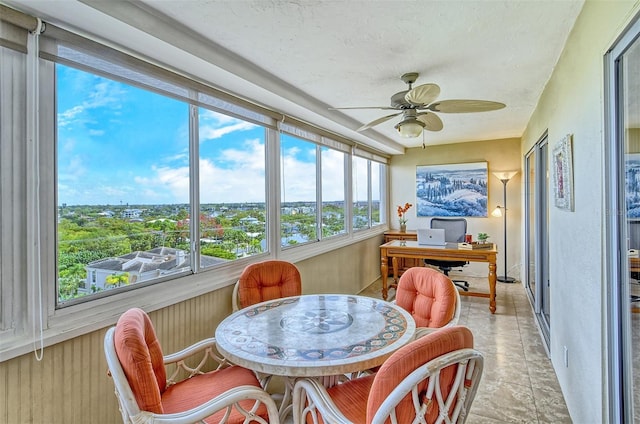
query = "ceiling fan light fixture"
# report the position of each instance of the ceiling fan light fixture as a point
(410, 128)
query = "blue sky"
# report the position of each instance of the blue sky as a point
(118, 144)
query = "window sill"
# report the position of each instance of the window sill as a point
(77, 320)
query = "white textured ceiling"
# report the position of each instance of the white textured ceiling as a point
(302, 57)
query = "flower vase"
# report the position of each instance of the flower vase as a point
(403, 228)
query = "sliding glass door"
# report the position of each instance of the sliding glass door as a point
(536, 234)
(623, 225)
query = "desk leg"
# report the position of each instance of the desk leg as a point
(394, 261)
(384, 270)
(492, 287)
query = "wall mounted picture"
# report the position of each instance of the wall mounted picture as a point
(563, 174)
(452, 190)
(632, 184)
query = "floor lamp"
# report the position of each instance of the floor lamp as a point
(504, 176)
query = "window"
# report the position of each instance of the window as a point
(333, 192)
(377, 193)
(360, 193)
(233, 214)
(123, 184)
(298, 214)
(144, 177)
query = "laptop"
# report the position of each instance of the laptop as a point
(431, 236)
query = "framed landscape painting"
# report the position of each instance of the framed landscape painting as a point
(452, 190)
(632, 184)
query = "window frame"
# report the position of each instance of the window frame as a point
(40, 320)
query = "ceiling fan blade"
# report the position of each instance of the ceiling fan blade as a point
(364, 107)
(465, 106)
(377, 121)
(431, 121)
(422, 94)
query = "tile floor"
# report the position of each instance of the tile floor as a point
(518, 384)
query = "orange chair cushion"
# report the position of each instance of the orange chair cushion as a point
(351, 398)
(428, 295)
(140, 356)
(199, 389)
(411, 356)
(268, 280)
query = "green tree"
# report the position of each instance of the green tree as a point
(117, 280)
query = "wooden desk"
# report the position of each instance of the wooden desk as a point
(410, 249)
(634, 264)
(403, 263)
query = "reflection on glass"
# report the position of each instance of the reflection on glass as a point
(333, 197)
(630, 92)
(122, 185)
(376, 193)
(360, 193)
(531, 232)
(233, 215)
(298, 214)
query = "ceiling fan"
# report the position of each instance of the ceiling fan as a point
(417, 106)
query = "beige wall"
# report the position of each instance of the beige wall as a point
(573, 103)
(501, 155)
(70, 384)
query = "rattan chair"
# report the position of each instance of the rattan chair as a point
(229, 394)
(431, 298)
(431, 380)
(264, 281)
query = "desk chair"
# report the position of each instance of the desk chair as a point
(454, 231)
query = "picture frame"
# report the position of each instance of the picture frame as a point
(632, 185)
(563, 174)
(459, 189)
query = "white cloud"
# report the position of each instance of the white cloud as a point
(299, 177)
(69, 116)
(242, 179)
(214, 125)
(75, 170)
(332, 175)
(103, 94)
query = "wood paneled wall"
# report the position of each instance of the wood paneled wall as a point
(70, 384)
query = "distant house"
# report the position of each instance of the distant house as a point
(249, 220)
(141, 266)
(131, 213)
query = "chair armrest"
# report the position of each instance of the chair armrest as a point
(227, 400)
(423, 331)
(235, 302)
(206, 348)
(190, 350)
(308, 395)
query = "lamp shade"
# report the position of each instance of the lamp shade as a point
(410, 128)
(505, 175)
(497, 212)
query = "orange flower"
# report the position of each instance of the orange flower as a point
(402, 210)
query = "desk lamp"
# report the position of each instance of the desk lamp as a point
(504, 176)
